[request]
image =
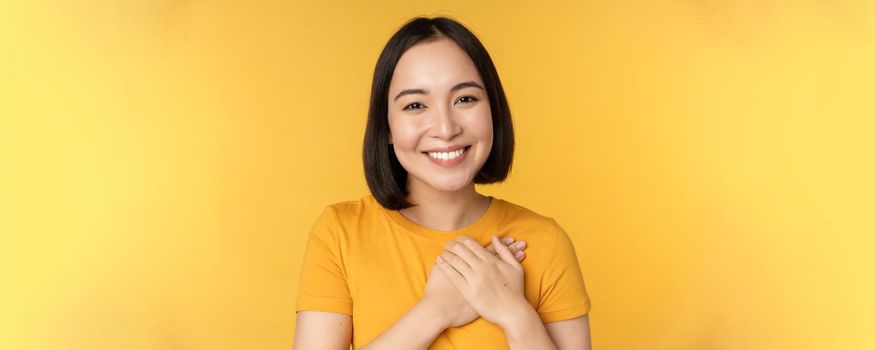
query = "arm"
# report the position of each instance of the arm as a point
(488, 282)
(417, 329)
(571, 334)
(528, 332)
(441, 307)
(566, 291)
(493, 286)
(322, 330)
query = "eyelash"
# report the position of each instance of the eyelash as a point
(473, 99)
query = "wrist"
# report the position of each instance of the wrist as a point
(433, 315)
(521, 322)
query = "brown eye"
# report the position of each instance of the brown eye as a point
(467, 99)
(414, 105)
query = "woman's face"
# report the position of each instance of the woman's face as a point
(439, 117)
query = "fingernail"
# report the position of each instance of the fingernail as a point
(521, 244)
(518, 255)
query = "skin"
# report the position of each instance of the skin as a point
(445, 198)
(468, 280)
(329, 330)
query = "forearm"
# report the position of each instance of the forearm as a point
(417, 329)
(528, 332)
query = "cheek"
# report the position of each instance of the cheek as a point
(481, 125)
(404, 135)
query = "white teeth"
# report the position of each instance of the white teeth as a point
(447, 155)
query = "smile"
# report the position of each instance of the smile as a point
(448, 158)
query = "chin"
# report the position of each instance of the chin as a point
(451, 186)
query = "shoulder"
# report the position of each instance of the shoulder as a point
(346, 215)
(516, 214)
(524, 223)
(341, 219)
(365, 205)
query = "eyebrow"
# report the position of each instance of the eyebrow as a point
(425, 92)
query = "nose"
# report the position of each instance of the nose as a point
(445, 126)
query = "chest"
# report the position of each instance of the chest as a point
(387, 278)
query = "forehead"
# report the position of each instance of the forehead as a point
(438, 64)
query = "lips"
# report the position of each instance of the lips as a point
(447, 149)
(448, 159)
(453, 153)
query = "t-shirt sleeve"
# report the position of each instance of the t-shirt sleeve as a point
(563, 295)
(323, 285)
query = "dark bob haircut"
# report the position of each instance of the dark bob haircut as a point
(386, 178)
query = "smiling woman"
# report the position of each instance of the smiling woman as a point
(426, 261)
(440, 116)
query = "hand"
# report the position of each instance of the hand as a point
(446, 297)
(492, 285)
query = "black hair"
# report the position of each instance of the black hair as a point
(385, 176)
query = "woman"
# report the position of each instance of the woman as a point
(406, 267)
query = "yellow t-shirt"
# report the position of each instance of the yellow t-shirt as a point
(370, 262)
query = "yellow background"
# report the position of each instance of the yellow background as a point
(161, 163)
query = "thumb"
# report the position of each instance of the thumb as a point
(503, 251)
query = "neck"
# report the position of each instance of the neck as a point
(443, 210)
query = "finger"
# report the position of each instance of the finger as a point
(520, 245)
(515, 250)
(518, 250)
(508, 241)
(519, 255)
(457, 263)
(516, 247)
(454, 276)
(476, 248)
(504, 253)
(462, 251)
